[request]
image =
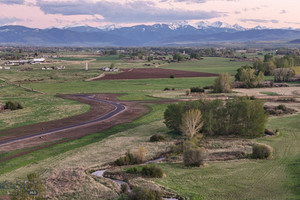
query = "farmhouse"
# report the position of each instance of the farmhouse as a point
(38, 60)
(17, 62)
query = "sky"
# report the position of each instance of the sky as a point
(99, 13)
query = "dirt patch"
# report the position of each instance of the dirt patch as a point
(133, 111)
(221, 149)
(146, 73)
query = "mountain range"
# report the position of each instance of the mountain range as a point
(174, 34)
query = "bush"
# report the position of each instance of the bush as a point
(124, 188)
(223, 84)
(166, 89)
(172, 76)
(13, 105)
(144, 194)
(282, 107)
(157, 138)
(140, 155)
(152, 171)
(132, 170)
(197, 89)
(194, 157)
(132, 158)
(261, 151)
(126, 160)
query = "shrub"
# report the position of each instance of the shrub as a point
(140, 155)
(132, 170)
(194, 157)
(126, 160)
(208, 87)
(152, 171)
(166, 89)
(282, 107)
(157, 138)
(261, 151)
(13, 105)
(124, 188)
(197, 89)
(223, 84)
(172, 76)
(144, 194)
(132, 158)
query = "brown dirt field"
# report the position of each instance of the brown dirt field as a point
(133, 111)
(145, 73)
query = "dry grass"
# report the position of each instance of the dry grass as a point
(258, 91)
(70, 166)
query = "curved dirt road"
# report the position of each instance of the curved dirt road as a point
(118, 108)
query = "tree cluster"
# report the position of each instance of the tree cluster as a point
(270, 63)
(239, 116)
(249, 77)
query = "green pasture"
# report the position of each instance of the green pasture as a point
(37, 107)
(277, 178)
(135, 87)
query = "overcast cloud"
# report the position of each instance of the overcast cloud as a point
(247, 13)
(136, 11)
(10, 2)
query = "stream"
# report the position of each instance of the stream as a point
(119, 182)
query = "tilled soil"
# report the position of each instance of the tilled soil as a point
(133, 111)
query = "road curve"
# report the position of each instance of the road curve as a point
(118, 108)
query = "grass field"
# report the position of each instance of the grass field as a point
(277, 178)
(37, 107)
(297, 70)
(35, 160)
(209, 64)
(136, 89)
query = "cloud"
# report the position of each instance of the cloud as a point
(133, 11)
(5, 21)
(11, 2)
(260, 21)
(283, 12)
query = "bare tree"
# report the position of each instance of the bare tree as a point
(191, 122)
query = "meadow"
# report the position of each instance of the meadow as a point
(276, 178)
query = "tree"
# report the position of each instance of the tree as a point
(269, 68)
(112, 65)
(172, 116)
(268, 58)
(191, 122)
(31, 189)
(258, 65)
(250, 79)
(178, 57)
(223, 84)
(283, 74)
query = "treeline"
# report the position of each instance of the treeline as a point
(238, 116)
(270, 63)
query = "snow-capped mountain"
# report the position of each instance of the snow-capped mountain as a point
(179, 33)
